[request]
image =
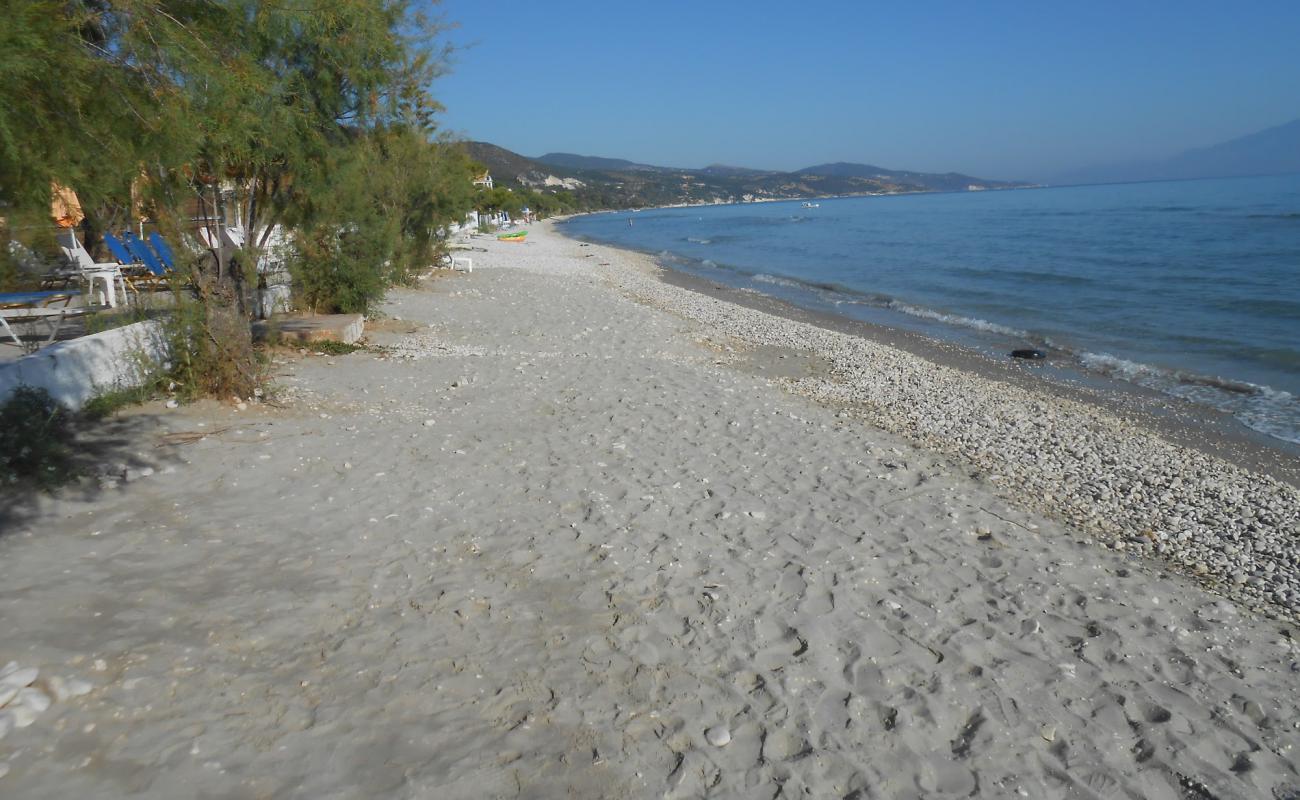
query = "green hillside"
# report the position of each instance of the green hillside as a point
(598, 183)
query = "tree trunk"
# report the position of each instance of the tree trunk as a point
(219, 229)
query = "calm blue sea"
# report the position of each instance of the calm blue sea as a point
(1190, 288)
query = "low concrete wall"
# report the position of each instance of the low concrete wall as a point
(75, 371)
(275, 298)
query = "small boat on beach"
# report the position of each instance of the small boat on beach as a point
(517, 236)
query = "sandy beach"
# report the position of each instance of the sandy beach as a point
(570, 530)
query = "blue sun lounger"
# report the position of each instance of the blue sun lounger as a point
(163, 250)
(142, 267)
(144, 254)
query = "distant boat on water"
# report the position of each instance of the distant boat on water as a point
(812, 205)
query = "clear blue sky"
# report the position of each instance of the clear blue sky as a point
(996, 89)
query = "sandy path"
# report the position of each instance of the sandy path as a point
(545, 542)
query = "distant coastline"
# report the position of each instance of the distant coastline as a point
(592, 183)
(762, 200)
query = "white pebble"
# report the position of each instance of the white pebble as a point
(718, 736)
(34, 699)
(6, 723)
(65, 689)
(7, 693)
(20, 677)
(22, 715)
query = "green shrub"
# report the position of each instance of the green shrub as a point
(10, 277)
(337, 273)
(212, 345)
(329, 348)
(35, 440)
(109, 403)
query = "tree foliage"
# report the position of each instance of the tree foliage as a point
(514, 201)
(313, 115)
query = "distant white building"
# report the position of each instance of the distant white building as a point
(484, 180)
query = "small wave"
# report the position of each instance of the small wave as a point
(957, 319)
(1293, 215)
(1268, 413)
(1024, 276)
(1260, 307)
(776, 280)
(1262, 408)
(833, 293)
(1135, 371)
(694, 240)
(840, 296)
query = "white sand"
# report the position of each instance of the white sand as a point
(546, 543)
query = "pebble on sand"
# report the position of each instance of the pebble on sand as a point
(18, 678)
(22, 715)
(34, 699)
(718, 736)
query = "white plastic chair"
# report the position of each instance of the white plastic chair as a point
(458, 262)
(108, 275)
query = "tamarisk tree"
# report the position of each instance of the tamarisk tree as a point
(310, 117)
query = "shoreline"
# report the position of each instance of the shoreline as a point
(1184, 423)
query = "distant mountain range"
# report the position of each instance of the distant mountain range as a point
(619, 183)
(1273, 151)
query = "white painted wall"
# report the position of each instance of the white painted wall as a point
(75, 371)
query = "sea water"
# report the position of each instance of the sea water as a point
(1191, 288)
